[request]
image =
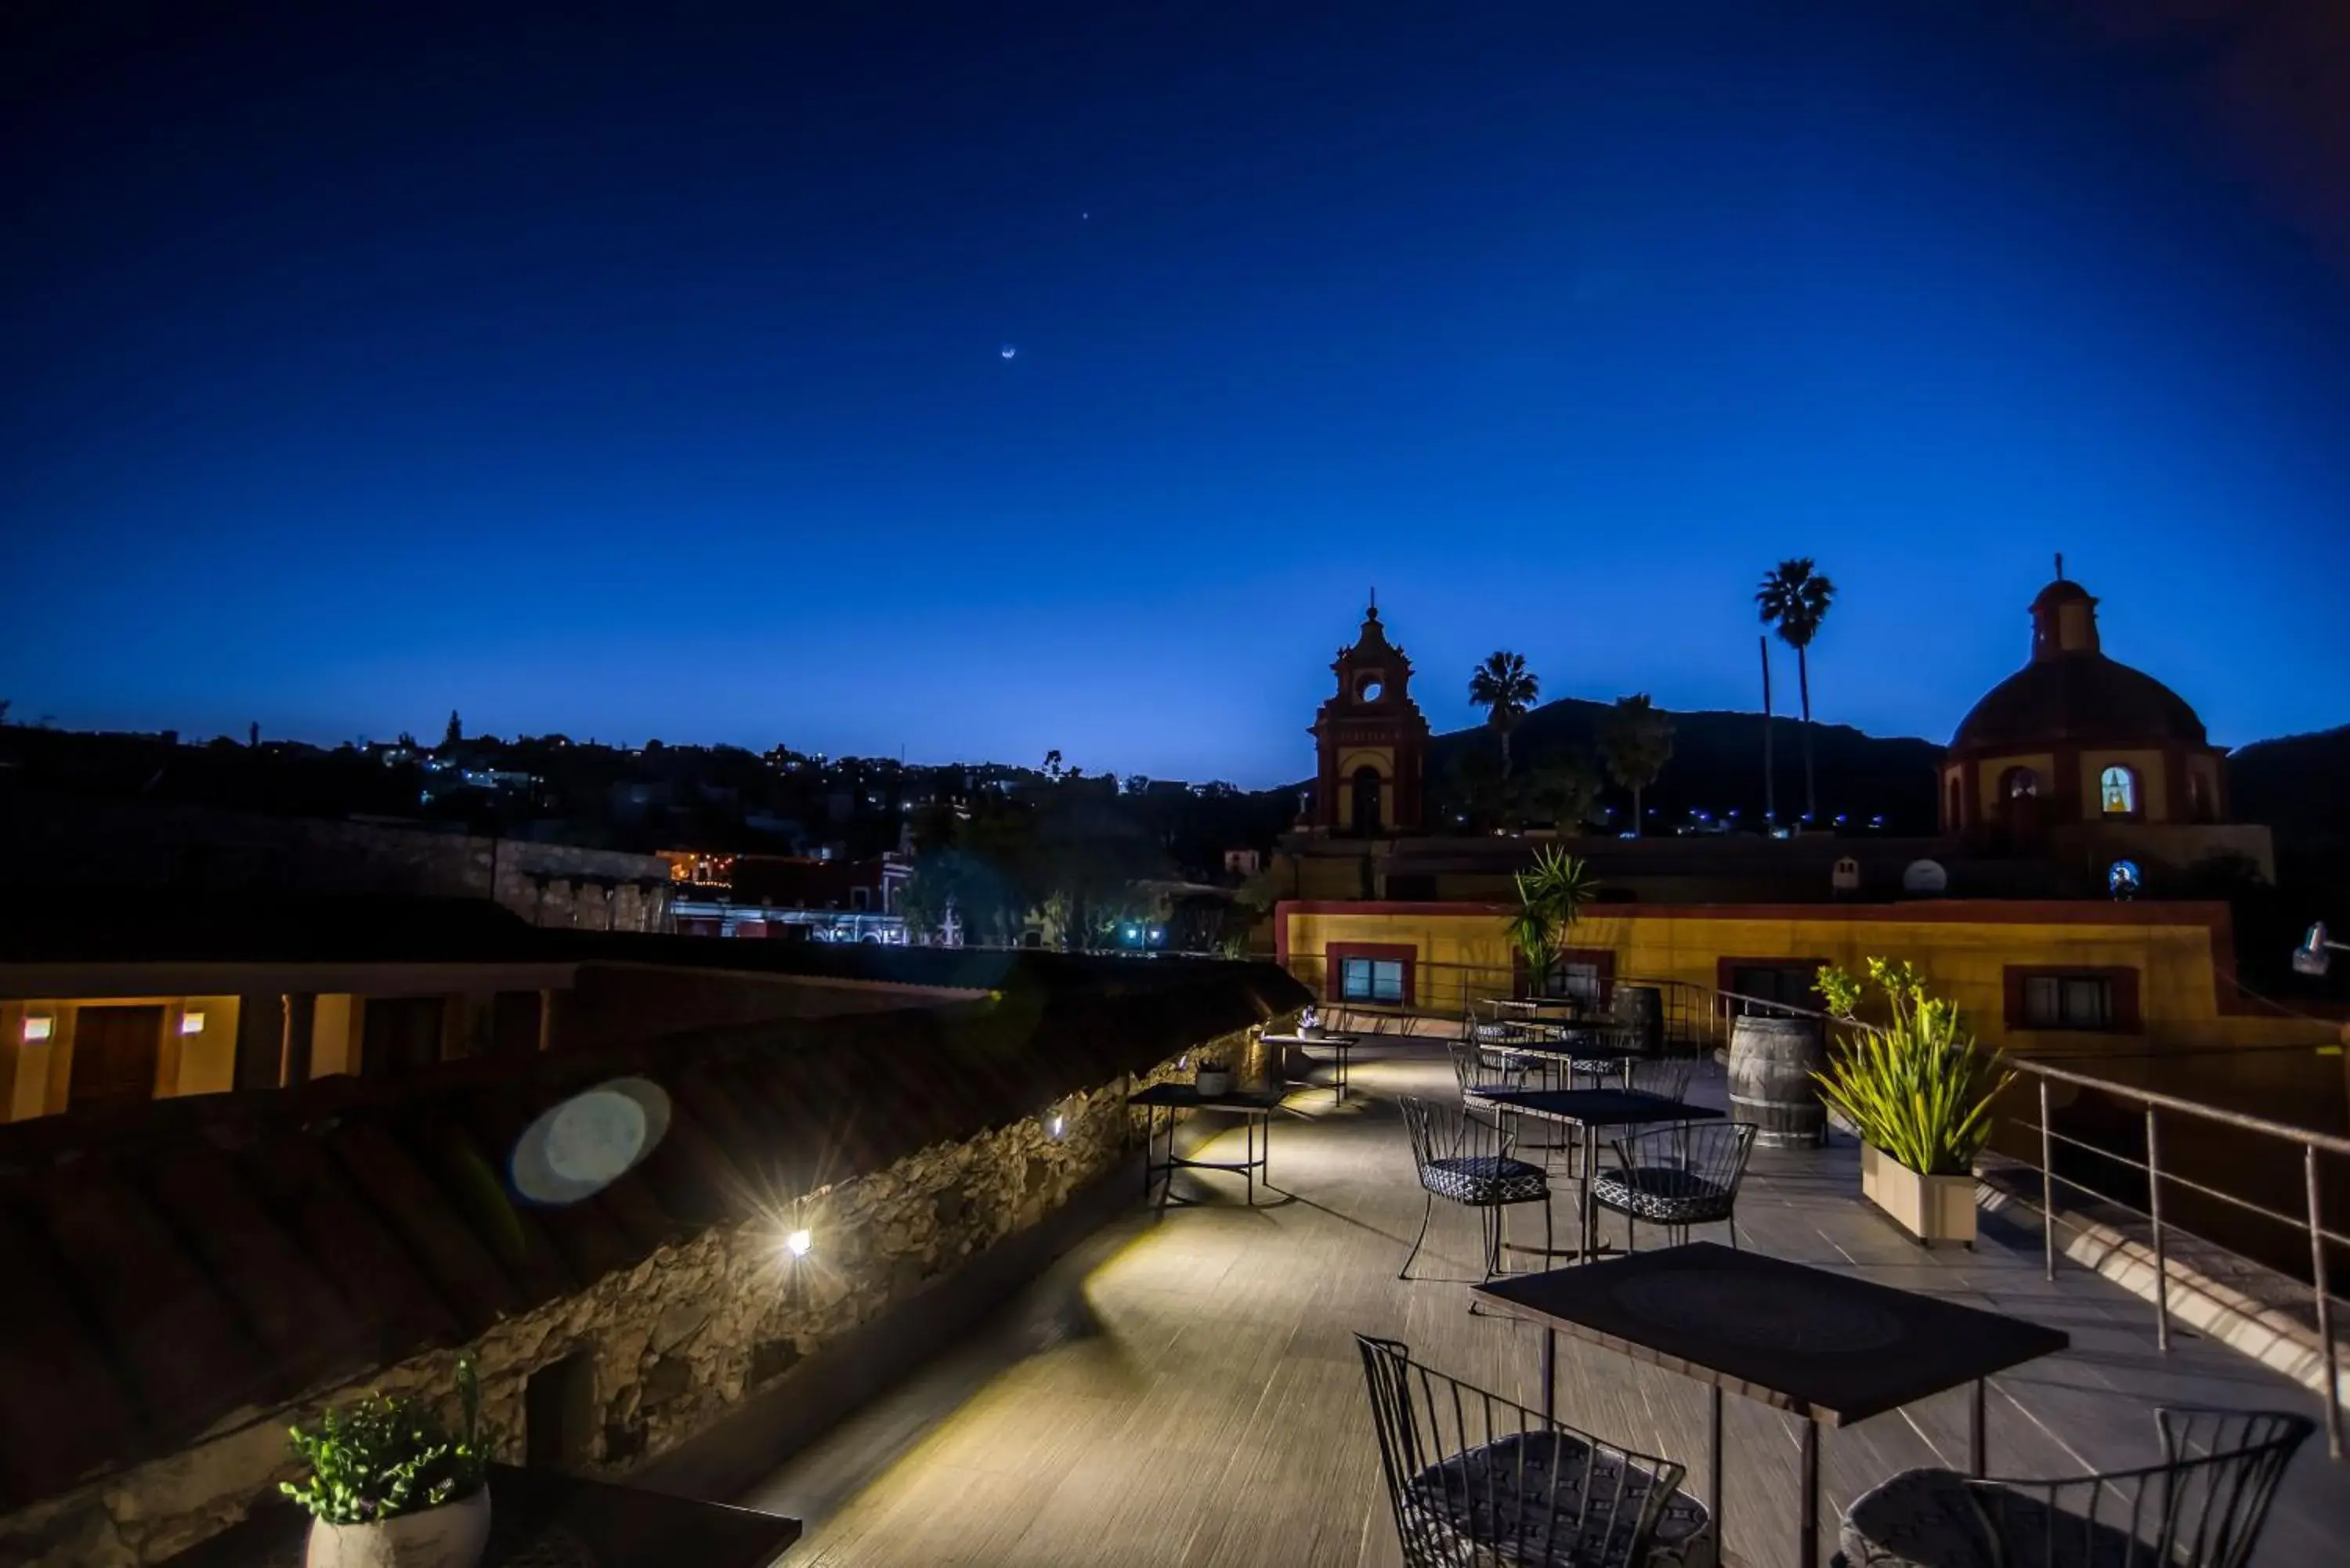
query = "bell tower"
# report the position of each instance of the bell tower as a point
(1370, 741)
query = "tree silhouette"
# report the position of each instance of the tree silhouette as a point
(1795, 598)
(455, 732)
(1636, 739)
(1562, 789)
(1505, 689)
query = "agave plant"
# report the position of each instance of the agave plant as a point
(1916, 1086)
(383, 1457)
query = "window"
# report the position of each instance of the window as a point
(2103, 998)
(1786, 982)
(1370, 979)
(2067, 1002)
(2117, 792)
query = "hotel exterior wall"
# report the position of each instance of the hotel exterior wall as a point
(1965, 950)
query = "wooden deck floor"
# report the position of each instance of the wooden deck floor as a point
(1187, 1392)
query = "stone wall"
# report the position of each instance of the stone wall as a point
(670, 1346)
(186, 849)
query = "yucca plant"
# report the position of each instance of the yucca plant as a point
(1916, 1086)
(1552, 893)
(385, 1455)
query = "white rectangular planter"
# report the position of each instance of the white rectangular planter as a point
(1930, 1208)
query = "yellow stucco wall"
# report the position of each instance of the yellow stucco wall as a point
(1463, 949)
(36, 1076)
(335, 1034)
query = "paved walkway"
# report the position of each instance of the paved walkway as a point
(1187, 1392)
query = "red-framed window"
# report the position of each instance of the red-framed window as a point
(1375, 973)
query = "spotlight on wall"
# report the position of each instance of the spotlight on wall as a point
(1056, 1125)
(2313, 956)
(192, 1021)
(38, 1027)
(798, 1242)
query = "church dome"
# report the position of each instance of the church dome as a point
(2071, 693)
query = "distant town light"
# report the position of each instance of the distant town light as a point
(37, 1027)
(798, 1242)
(192, 1021)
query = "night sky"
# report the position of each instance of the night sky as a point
(644, 374)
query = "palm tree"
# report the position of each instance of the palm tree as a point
(1505, 689)
(1636, 738)
(1796, 598)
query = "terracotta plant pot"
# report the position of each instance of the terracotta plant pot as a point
(451, 1536)
(1930, 1208)
(1213, 1081)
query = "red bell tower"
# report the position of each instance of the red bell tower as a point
(1370, 741)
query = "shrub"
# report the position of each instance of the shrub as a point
(1915, 1086)
(383, 1457)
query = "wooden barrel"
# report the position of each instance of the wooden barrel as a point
(1771, 1065)
(1641, 1009)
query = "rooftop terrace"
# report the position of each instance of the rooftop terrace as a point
(1186, 1390)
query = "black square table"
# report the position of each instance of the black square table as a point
(1340, 1046)
(1826, 1347)
(1255, 1108)
(1587, 1110)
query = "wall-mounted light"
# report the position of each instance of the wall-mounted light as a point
(798, 1242)
(1056, 1124)
(192, 1021)
(38, 1026)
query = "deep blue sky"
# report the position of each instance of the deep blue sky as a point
(642, 377)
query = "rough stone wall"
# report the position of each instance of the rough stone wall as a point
(675, 1343)
(196, 848)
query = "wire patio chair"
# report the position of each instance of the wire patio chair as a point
(2202, 1507)
(1480, 1481)
(1471, 1161)
(1679, 1176)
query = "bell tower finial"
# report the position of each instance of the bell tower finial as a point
(2059, 565)
(1374, 604)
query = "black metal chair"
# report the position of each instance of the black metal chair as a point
(2202, 1507)
(1478, 1068)
(1468, 1160)
(1480, 1481)
(1668, 1077)
(1679, 1176)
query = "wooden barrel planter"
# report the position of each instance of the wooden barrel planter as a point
(1771, 1065)
(1641, 1009)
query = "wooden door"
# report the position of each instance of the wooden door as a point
(115, 1049)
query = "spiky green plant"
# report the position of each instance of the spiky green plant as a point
(384, 1456)
(1916, 1086)
(1552, 893)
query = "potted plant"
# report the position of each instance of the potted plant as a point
(390, 1485)
(1919, 1091)
(1214, 1074)
(1552, 893)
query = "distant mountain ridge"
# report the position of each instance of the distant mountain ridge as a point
(1717, 764)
